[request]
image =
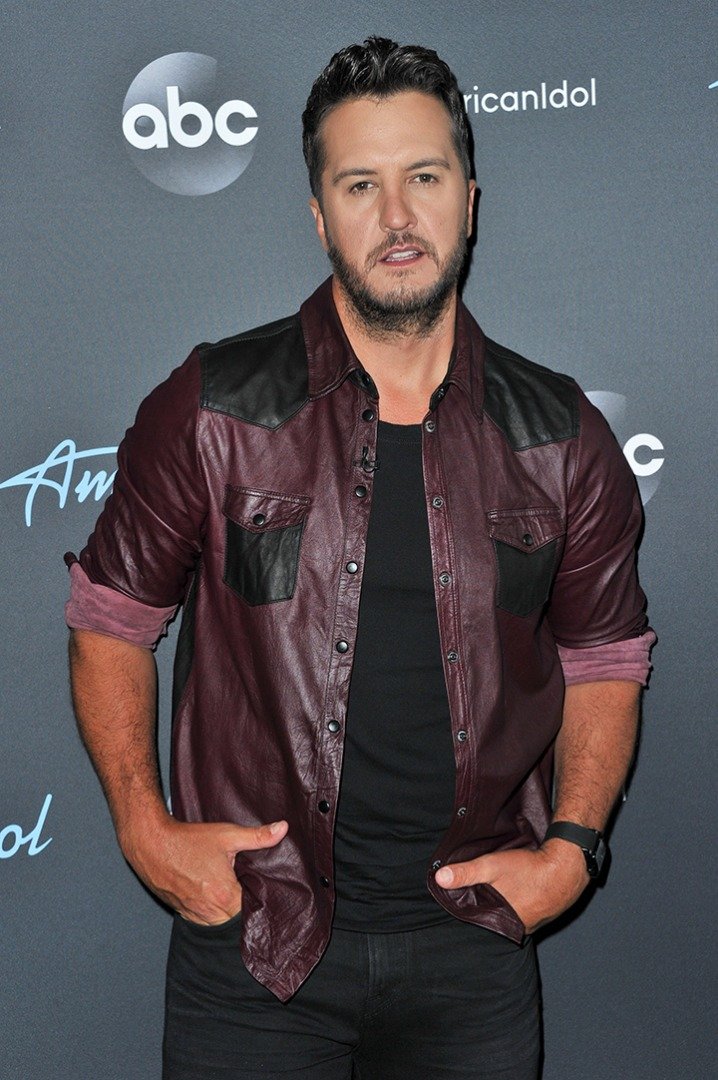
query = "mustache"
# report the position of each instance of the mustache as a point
(405, 239)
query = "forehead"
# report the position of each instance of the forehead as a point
(409, 124)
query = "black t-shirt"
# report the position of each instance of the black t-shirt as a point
(397, 787)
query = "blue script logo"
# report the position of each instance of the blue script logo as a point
(63, 458)
(12, 838)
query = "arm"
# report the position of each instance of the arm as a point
(131, 577)
(596, 606)
(593, 753)
(188, 866)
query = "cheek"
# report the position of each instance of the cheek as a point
(349, 232)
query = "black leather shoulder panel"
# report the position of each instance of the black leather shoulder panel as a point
(531, 404)
(260, 376)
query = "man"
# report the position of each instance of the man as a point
(358, 852)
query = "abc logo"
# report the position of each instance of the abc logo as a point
(182, 132)
(643, 452)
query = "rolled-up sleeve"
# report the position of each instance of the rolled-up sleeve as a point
(628, 660)
(106, 611)
(135, 569)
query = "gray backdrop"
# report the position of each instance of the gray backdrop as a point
(594, 257)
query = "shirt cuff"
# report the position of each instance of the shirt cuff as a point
(627, 660)
(106, 611)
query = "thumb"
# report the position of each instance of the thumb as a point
(473, 872)
(260, 836)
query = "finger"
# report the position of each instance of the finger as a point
(473, 872)
(215, 904)
(205, 919)
(262, 836)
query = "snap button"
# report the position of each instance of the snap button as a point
(259, 519)
(325, 881)
(324, 806)
(527, 539)
(440, 393)
(437, 502)
(360, 491)
(334, 726)
(452, 656)
(430, 425)
(342, 646)
(445, 578)
(352, 567)
(462, 735)
(461, 812)
(368, 415)
(436, 864)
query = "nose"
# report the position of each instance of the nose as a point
(396, 213)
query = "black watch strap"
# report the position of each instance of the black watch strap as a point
(590, 841)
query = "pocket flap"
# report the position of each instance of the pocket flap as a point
(526, 530)
(260, 511)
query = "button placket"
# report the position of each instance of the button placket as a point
(347, 604)
(446, 600)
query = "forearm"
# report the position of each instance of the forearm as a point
(114, 689)
(594, 749)
(190, 867)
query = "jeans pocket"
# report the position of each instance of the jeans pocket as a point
(209, 929)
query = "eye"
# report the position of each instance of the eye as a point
(361, 187)
(425, 178)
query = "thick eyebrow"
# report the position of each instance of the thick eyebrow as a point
(429, 163)
(425, 163)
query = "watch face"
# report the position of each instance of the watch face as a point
(595, 858)
(590, 841)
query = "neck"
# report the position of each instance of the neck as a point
(405, 366)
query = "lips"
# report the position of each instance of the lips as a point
(397, 255)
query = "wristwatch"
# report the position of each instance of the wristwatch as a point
(590, 841)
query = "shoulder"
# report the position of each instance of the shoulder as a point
(531, 404)
(260, 375)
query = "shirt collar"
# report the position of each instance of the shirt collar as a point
(331, 357)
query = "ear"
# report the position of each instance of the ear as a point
(470, 207)
(319, 221)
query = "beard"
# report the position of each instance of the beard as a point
(404, 309)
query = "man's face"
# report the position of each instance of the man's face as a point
(395, 209)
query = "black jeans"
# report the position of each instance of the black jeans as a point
(449, 1001)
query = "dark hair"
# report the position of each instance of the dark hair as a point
(380, 68)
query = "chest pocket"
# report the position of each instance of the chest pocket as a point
(263, 541)
(528, 545)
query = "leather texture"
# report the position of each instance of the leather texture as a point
(255, 376)
(531, 404)
(244, 479)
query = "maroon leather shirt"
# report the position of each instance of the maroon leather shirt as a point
(243, 493)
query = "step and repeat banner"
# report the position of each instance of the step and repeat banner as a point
(153, 196)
